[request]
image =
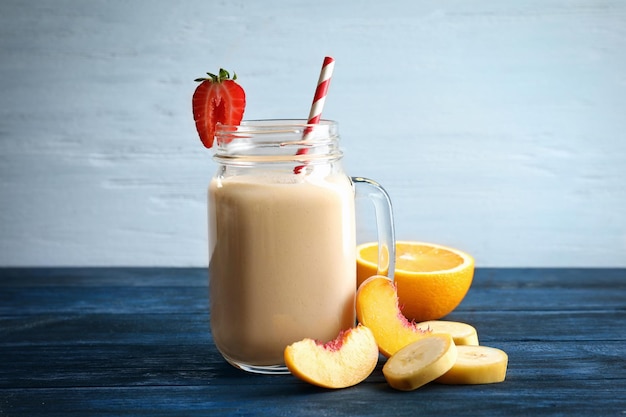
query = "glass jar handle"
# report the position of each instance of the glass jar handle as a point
(373, 191)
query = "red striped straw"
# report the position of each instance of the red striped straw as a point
(319, 99)
(320, 92)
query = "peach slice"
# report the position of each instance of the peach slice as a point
(377, 308)
(340, 363)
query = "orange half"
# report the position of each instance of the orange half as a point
(432, 279)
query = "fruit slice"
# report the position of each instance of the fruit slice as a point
(462, 333)
(477, 365)
(340, 363)
(377, 308)
(432, 279)
(218, 99)
(420, 362)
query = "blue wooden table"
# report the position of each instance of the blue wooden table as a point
(128, 341)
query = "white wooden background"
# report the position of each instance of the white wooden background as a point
(498, 127)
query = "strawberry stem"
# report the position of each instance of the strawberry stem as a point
(223, 75)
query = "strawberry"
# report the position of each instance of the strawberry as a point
(218, 99)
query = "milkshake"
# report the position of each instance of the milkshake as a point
(282, 266)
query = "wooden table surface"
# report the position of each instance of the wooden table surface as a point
(136, 341)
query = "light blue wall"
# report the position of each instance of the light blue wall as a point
(498, 127)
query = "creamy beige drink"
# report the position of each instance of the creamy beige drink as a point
(282, 264)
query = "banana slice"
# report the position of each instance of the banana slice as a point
(477, 365)
(420, 362)
(462, 333)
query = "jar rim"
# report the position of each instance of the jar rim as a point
(273, 123)
(275, 126)
(277, 140)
